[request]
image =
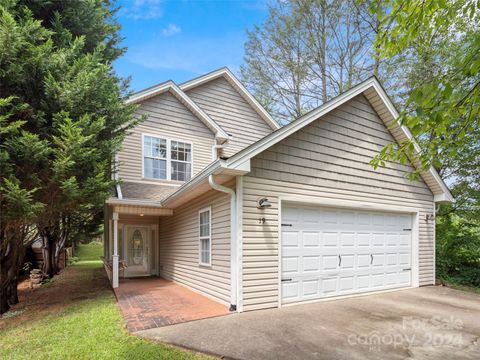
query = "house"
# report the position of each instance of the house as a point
(216, 196)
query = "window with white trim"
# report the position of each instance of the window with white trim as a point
(205, 236)
(166, 159)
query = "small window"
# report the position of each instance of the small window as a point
(181, 155)
(155, 157)
(205, 232)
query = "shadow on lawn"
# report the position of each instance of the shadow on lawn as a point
(80, 282)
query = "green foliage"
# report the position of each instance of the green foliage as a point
(458, 250)
(442, 41)
(62, 117)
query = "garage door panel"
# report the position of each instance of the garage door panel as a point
(363, 281)
(331, 252)
(363, 260)
(290, 238)
(330, 262)
(347, 262)
(404, 259)
(310, 287)
(290, 265)
(311, 263)
(329, 285)
(290, 291)
(347, 239)
(378, 260)
(378, 240)
(363, 239)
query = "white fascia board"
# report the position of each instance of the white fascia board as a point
(146, 203)
(232, 79)
(189, 103)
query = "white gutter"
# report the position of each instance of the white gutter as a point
(233, 239)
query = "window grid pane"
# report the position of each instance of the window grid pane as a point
(205, 251)
(155, 155)
(205, 239)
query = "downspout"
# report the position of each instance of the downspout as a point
(116, 177)
(233, 239)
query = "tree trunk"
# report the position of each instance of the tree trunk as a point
(8, 279)
(4, 307)
(324, 54)
(48, 249)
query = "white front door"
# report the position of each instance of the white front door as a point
(332, 251)
(136, 249)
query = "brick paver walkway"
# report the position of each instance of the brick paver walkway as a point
(153, 302)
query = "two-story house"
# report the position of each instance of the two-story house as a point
(215, 195)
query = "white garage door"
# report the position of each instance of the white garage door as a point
(332, 252)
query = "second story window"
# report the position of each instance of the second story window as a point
(166, 159)
(181, 160)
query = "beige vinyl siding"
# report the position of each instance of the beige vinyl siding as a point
(230, 110)
(167, 117)
(179, 246)
(327, 159)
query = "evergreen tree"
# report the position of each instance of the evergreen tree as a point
(65, 113)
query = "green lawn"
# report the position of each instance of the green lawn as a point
(76, 317)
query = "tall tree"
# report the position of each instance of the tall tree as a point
(65, 108)
(276, 67)
(332, 46)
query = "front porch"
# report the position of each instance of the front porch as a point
(132, 244)
(152, 302)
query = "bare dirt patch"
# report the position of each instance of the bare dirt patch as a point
(75, 283)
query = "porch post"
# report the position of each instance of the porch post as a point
(115, 251)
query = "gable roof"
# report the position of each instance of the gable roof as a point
(172, 88)
(238, 86)
(382, 104)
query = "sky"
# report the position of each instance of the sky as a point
(181, 39)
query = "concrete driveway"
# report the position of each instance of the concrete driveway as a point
(421, 323)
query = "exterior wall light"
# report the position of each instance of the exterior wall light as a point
(263, 203)
(429, 217)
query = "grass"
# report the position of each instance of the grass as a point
(76, 317)
(89, 252)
